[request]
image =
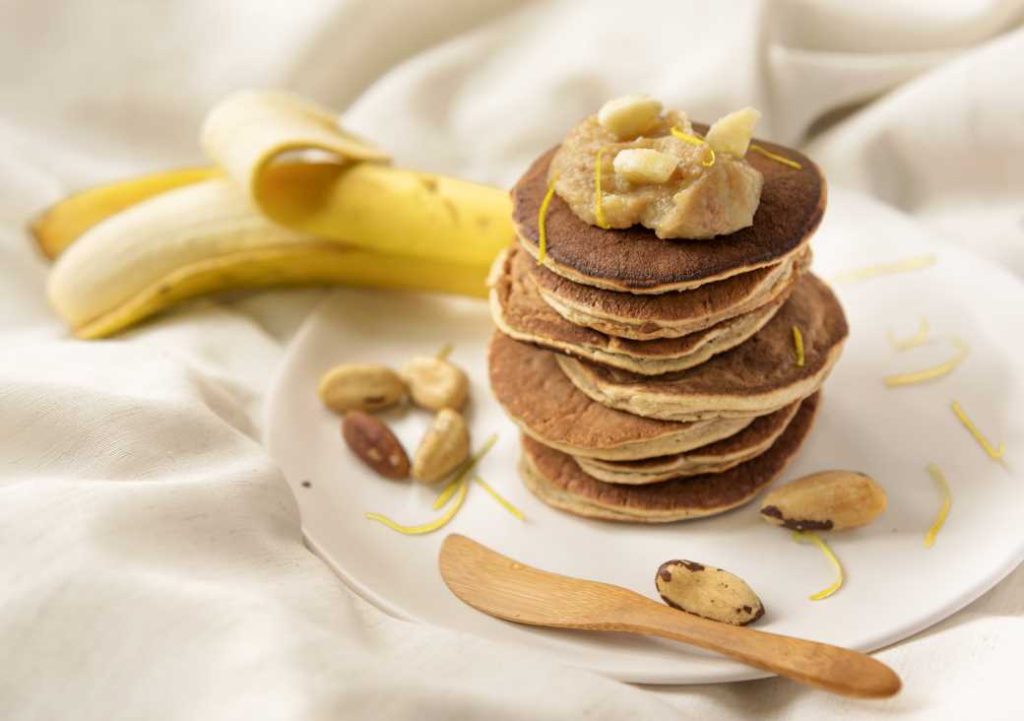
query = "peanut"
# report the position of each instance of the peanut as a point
(360, 387)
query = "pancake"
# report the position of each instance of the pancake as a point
(637, 261)
(668, 315)
(520, 312)
(720, 456)
(532, 389)
(556, 479)
(755, 378)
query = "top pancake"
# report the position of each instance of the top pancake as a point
(637, 261)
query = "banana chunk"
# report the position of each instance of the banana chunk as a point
(629, 116)
(643, 165)
(732, 133)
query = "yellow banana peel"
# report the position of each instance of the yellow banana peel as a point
(267, 214)
(308, 263)
(392, 210)
(60, 225)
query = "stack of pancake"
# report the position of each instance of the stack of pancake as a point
(659, 380)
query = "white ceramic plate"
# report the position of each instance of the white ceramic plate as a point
(895, 586)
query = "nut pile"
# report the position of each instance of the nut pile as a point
(432, 383)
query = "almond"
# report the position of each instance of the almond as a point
(375, 445)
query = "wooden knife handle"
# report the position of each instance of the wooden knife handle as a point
(835, 669)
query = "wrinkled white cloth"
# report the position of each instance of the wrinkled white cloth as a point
(151, 565)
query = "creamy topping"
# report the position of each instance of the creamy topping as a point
(632, 163)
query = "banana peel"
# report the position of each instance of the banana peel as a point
(61, 224)
(267, 215)
(223, 245)
(308, 263)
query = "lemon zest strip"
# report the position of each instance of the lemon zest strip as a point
(913, 341)
(798, 347)
(996, 453)
(505, 503)
(874, 271)
(686, 137)
(776, 157)
(598, 206)
(801, 536)
(446, 494)
(936, 371)
(470, 463)
(463, 470)
(431, 526)
(947, 502)
(542, 214)
(708, 160)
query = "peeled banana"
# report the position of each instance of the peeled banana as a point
(262, 217)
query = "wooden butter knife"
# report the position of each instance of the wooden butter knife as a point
(504, 588)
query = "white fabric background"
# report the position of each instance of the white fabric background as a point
(150, 559)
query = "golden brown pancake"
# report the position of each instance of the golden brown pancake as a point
(755, 378)
(556, 479)
(637, 261)
(532, 389)
(720, 456)
(520, 312)
(668, 315)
